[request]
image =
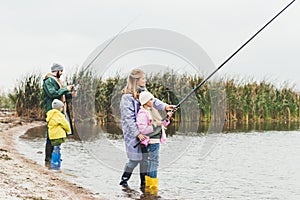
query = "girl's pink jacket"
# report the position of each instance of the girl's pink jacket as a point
(145, 127)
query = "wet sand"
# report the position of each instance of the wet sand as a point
(22, 178)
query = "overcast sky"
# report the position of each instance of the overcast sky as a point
(34, 33)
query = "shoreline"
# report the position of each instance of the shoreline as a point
(23, 178)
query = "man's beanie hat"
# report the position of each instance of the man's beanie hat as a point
(56, 104)
(56, 67)
(145, 97)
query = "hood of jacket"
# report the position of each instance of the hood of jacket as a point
(48, 75)
(58, 126)
(53, 114)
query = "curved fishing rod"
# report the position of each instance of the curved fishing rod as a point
(76, 86)
(229, 58)
(207, 78)
(108, 44)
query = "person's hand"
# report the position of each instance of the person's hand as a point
(70, 87)
(170, 107)
(141, 136)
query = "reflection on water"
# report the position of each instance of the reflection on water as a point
(266, 126)
(89, 132)
(253, 165)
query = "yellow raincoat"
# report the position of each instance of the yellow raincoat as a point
(58, 126)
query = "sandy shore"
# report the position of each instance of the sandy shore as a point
(22, 178)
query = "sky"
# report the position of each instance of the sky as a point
(35, 34)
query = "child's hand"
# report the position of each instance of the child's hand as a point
(141, 137)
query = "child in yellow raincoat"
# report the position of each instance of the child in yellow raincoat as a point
(58, 126)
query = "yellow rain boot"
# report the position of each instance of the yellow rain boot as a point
(154, 186)
(148, 183)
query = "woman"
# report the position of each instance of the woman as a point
(130, 106)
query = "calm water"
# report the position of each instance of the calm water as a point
(254, 165)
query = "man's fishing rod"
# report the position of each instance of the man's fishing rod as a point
(229, 58)
(105, 47)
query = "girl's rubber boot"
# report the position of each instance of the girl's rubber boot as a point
(148, 183)
(154, 186)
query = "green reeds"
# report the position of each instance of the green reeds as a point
(6, 102)
(258, 102)
(98, 99)
(27, 97)
(84, 104)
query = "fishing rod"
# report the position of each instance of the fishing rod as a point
(229, 58)
(105, 47)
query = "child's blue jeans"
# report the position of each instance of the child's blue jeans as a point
(153, 156)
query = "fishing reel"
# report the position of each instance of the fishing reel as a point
(75, 87)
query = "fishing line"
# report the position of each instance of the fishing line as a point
(229, 58)
(76, 86)
(109, 43)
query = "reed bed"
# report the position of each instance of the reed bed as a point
(98, 99)
(27, 97)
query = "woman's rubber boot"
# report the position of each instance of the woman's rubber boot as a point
(126, 176)
(143, 181)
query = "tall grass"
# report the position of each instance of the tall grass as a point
(261, 102)
(27, 97)
(83, 105)
(98, 99)
(5, 101)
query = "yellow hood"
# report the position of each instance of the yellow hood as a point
(58, 126)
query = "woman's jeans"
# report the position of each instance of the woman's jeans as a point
(153, 156)
(132, 164)
(143, 163)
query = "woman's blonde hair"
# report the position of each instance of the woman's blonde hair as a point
(131, 87)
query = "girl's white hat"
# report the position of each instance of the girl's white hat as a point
(145, 97)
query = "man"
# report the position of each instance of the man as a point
(53, 89)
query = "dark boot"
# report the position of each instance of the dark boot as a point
(48, 152)
(143, 182)
(126, 176)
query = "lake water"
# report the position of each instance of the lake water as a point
(254, 165)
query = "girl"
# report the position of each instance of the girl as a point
(149, 121)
